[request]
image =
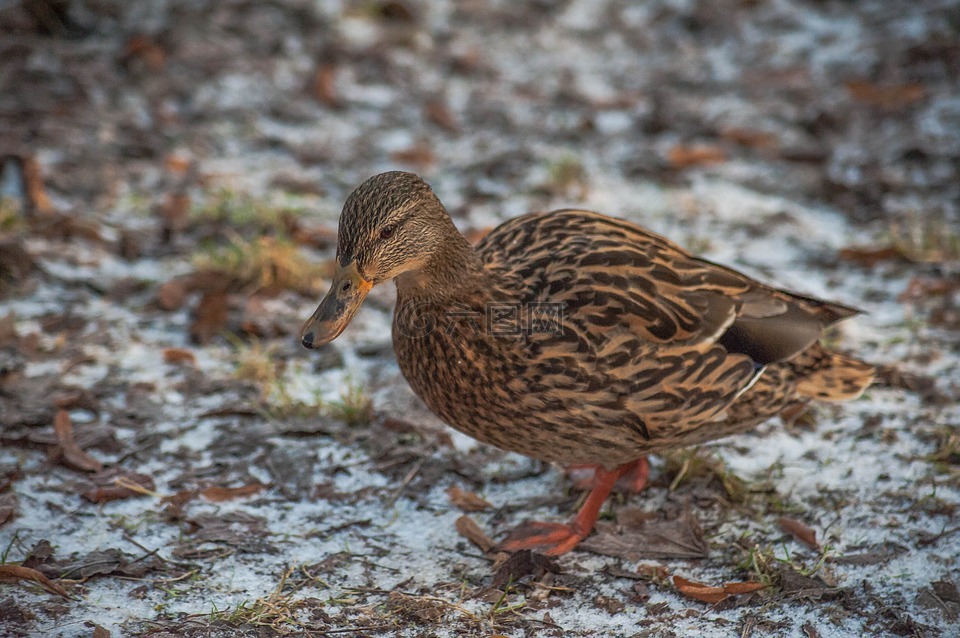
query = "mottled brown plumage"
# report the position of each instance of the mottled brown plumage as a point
(578, 338)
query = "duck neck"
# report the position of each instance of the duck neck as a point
(454, 267)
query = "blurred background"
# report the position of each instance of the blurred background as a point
(499, 104)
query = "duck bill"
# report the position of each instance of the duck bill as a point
(337, 309)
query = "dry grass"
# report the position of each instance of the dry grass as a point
(926, 238)
(686, 464)
(262, 264)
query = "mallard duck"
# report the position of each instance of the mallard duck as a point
(577, 338)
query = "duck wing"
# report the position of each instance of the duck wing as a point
(646, 328)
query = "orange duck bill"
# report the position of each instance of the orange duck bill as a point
(347, 292)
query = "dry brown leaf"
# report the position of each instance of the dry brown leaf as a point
(440, 114)
(175, 504)
(713, 595)
(319, 237)
(888, 97)
(750, 137)
(419, 155)
(178, 164)
(171, 295)
(521, 564)
(145, 48)
(325, 85)
(655, 573)
(870, 256)
(100, 632)
(467, 501)
(12, 573)
(801, 532)
(174, 212)
(743, 587)
(37, 199)
(115, 484)
(218, 494)
(72, 454)
(678, 538)
(210, 317)
(468, 528)
(8, 507)
(699, 591)
(695, 155)
(179, 356)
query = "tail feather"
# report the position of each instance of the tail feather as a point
(830, 376)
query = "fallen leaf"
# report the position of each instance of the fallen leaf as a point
(440, 114)
(9, 474)
(870, 256)
(750, 137)
(105, 563)
(713, 595)
(743, 587)
(210, 317)
(39, 555)
(16, 264)
(699, 591)
(13, 573)
(801, 532)
(419, 155)
(886, 96)
(36, 195)
(178, 164)
(678, 538)
(179, 356)
(807, 587)
(173, 510)
(145, 48)
(521, 564)
(241, 531)
(116, 484)
(79, 400)
(656, 573)
(468, 528)
(946, 590)
(219, 494)
(73, 455)
(395, 10)
(872, 555)
(608, 604)
(319, 237)
(8, 507)
(325, 86)
(100, 632)
(695, 155)
(171, 295)
(467, 501)
(174, 213)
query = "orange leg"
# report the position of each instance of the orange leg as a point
(554, 539)
(636, 476)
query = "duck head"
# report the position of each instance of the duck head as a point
(391, 225)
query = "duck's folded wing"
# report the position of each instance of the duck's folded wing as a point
(649, 328)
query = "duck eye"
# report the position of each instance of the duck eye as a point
(387, 232)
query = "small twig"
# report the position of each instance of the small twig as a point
(406, 481)
(932, 539)
(154, 552)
